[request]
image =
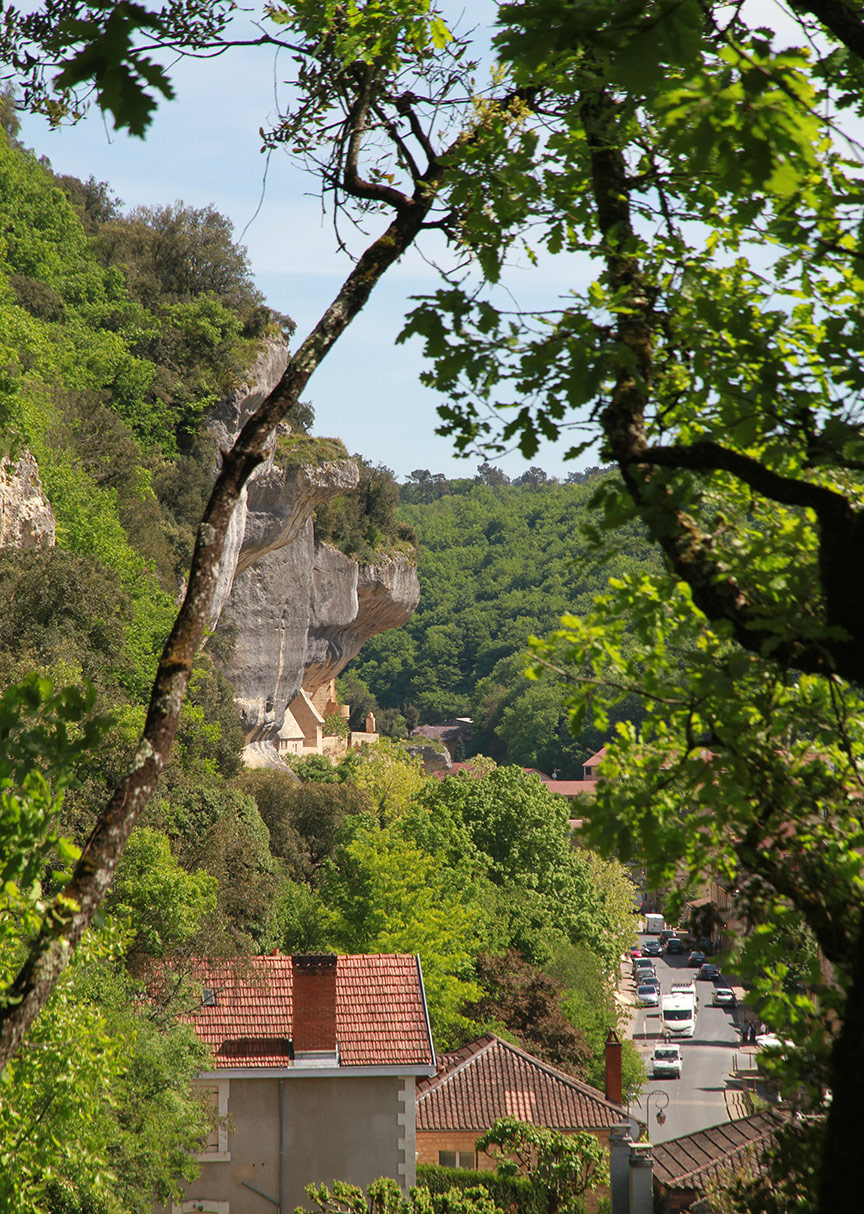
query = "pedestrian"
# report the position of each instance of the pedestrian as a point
(763, 1029)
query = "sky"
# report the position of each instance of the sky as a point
(204, 148)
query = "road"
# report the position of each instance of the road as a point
(696, 1100)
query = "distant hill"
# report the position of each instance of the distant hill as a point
(499, 562)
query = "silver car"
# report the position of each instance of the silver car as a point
(648, 995)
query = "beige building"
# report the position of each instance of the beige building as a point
(315, 1061)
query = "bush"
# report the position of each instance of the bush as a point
(515, 1194)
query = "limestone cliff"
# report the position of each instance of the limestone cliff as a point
(294, 610)
(26, 517)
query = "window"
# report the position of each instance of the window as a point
(457, 1159)
(216, 1146)
(208, 999)
(201, 1205)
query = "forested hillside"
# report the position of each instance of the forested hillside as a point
(499, 562)
(119, 331)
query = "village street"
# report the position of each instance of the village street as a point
(703, 1096)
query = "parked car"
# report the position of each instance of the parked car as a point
(695, 960)
(647, 995)
(674, 945)
(666, 1060)
(652, 948)
(650, 980)
(723, 997)
(708, 971)
(635, 952)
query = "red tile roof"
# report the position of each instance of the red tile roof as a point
(490, 1078)
(572, 788)
(596, 759)
(380, 1012)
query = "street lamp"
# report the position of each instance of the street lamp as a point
(661, 1111)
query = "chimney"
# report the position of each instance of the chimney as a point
(613, 1068)
(314, 1029)
(641, 1178)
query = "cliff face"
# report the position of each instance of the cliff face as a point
(26, 518)
(294, 611)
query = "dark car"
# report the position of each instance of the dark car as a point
(643, 967)
(674, 945)
(695, 960)
(709, 972)
(652, 948)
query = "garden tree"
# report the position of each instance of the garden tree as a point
(304, 818)
(566, 1165)
(547, 892)
(99, 1082)
(390, 778)
(589, 1003)
(162, 903)
(386, 895)
(527, 1002)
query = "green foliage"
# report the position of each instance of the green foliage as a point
(63, 56)
(386, 895)
(566, 1165)
(589, 1003)
(521, 833)
(528, 1003)
(44, 736)
(163, 904)
(100, 1082)
(362, 522)
(385, 1197)
(498, 564)
(517, 1193)
(295, 450)
(304, 818)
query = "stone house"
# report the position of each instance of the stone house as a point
(315, 1061)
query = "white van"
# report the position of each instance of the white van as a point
(666, 1060)
(678, 1010)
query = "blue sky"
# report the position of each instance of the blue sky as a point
(203, 148)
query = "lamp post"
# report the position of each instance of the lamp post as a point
(661, 1110)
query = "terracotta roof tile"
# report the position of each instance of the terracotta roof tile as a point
(380, 1011)
(491, 1078)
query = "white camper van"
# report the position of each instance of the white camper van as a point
(678, 1010)
(654, 924)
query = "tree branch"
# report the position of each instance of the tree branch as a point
(841, 19)
(707, 456)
